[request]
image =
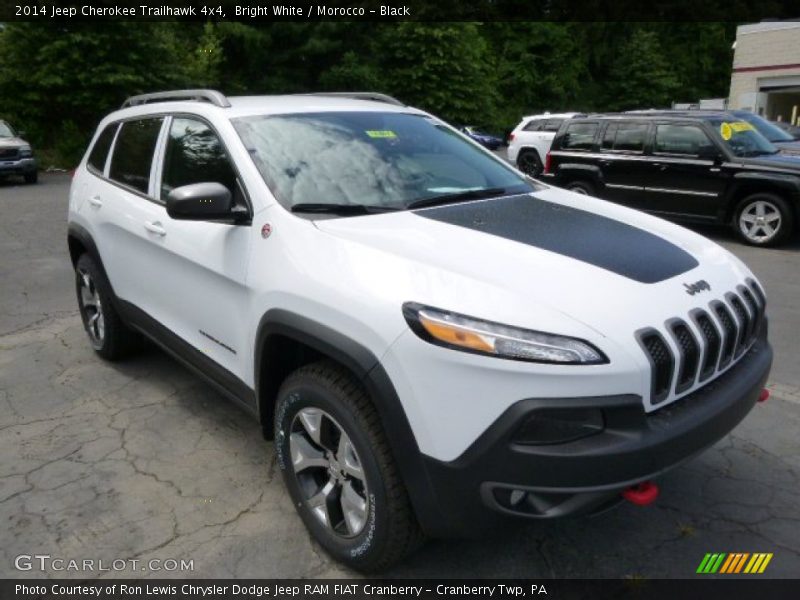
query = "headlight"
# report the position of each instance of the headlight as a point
(464, 333)
(25, 151)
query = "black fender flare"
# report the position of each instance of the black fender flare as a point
(779, 183)
(367, 367)
(82, 235)
(568, 172)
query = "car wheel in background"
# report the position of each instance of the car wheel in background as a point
(529, 163)
(581, 187)
(764, 219)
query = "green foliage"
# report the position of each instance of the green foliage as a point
(57, 80)
(641, 75)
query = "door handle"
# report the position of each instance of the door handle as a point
(155, 227)
(95, 201)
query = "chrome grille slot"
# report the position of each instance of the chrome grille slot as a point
(744, 322)
(689, 354)
(730, 332)
(661, 362)
(712, 341)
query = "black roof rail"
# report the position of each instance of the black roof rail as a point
(374, 96)
(213, 96)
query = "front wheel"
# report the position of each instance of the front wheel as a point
(31, 177)
(764, 219)
(581, 187)
(339, 470)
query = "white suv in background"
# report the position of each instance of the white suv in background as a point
(530, 141)
(434, 341)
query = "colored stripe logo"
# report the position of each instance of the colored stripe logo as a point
(734, 562)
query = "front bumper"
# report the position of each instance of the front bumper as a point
(497, 475)
(19, 166)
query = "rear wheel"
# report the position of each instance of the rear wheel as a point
(529, 163)
(764, 219)
(581, 187)
(339, 470)
(108, 335)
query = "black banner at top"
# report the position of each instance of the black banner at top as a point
(265, 11)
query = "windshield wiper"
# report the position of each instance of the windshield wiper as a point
(341, 209)
(456, 197)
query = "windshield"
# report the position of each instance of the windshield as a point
(382, 160)
(772, 132)
(742, 138)
(5, 130)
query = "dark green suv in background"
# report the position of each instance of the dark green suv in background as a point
(16, 155)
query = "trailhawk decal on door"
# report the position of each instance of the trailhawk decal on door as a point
(579, 234)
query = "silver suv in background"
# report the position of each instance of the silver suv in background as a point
(16, 155)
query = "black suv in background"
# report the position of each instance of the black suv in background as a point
(709, 167)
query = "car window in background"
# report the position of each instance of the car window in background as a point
(579, 136)
(5, 130)
(97, 158)
(552, 124)
(195, 154)
(680, 139)
(368, 158)
(772, 132)
(133, 153)
(533, 125)
(625, 137)
(742, 138)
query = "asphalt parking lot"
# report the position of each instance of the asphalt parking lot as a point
(141, 460)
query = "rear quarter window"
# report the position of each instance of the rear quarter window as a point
(533, 125)
(99, 153)
(579, 136)
(133, 153)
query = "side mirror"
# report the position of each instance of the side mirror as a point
(209, 201)
(709, 153)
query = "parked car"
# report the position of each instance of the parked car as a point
(16, 155)
(701, 166)
(792, 130)
(434, 341)
(777, 136)
(530, 140)
(492, 142)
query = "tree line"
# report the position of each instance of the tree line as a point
(57, 80)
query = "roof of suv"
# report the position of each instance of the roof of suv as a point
(566, 115)
(662, 114)
(241, 106)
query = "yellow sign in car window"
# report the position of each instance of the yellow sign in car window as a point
(375, 133)
(726, 130)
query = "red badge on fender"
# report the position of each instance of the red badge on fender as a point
(266, 230)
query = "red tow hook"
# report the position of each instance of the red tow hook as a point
(764, 395)
(641, 494)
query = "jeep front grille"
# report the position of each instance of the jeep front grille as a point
(8, 153)
(705, 344)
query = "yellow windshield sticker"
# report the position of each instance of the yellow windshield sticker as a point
(376, 133)
(726, 130)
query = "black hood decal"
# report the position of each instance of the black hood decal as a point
(579, 234)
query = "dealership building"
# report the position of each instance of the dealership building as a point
(766, 70)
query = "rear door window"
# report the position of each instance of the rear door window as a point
(133, 153)
(579, 136)
(552, 124)
(99, 153)
(625, 137)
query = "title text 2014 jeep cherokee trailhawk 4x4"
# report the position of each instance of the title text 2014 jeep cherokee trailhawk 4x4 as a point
(434, 340)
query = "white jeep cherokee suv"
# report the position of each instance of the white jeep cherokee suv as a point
(530, 141)
(434, 341)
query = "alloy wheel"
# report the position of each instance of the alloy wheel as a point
(529, 164)
(329, 472)
(91, 307)
(760, 221)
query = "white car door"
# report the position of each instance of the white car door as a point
(199, 267)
